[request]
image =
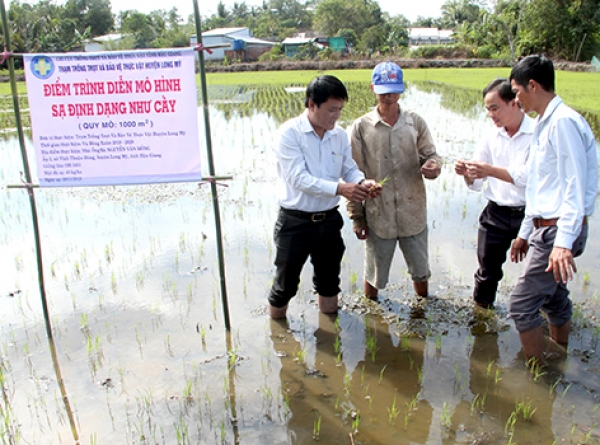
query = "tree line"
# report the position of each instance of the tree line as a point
(564, 29)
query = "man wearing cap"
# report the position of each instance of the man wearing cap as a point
(394, 146)
(313, 154)
(560, 196)
(499, 161)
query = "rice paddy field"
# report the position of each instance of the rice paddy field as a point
(141, 355)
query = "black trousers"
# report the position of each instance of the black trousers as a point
(300, 235)
(498, 227)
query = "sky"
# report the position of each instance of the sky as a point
(409, 8)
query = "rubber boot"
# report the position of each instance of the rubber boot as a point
(328, 305)
(421, 288)
(370, 291)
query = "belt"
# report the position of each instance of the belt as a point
(312, 216)
(515, 210)
(541, 222)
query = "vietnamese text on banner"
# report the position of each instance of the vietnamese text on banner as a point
(113, 118)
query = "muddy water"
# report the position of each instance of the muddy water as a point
(133, 289)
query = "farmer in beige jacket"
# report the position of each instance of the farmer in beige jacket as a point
(394, 146)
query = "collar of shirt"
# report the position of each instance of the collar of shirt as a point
(374, 117)
(550, 108)
(527, 126)
(306, 127)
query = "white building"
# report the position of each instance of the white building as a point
(429, 36)
(239, 39)
(100, 43)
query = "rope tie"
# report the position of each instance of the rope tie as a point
(201, 47)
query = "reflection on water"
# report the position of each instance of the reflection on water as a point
(133, 290)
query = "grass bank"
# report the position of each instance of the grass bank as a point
(580, 90)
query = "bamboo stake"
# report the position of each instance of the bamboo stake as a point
(211, 168)
(34, 218)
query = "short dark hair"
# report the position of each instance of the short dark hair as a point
(535, 67)
(321, 88)
(502, 86)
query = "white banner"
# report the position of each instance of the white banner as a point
(114, 118)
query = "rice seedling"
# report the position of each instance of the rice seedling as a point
(564, 392)
(420, 375)
(347, 381)
(586, 278)
(553, 386)
(588, 436)
(355, 422)
(317, 427)
(353, 279)
(446, 416)
(405, 343)
(371, 344)
(393, 412)
(381, 373)
(525, 410)
(536, 370)
(497, 377)
(233, 357)
(113, 283)
(301, 356)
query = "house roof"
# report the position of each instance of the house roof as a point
(256, 41)
(222, 31)
(297, 40)
(414, 33)
(106, 38)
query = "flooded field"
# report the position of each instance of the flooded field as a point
(134, 296)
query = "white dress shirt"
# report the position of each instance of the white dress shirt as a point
(309, 168)
(563, 175)
(511, 153)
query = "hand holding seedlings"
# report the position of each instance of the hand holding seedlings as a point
(373, 187)
(477, 169)
(358, 192)
(431, 169)
(460, 167)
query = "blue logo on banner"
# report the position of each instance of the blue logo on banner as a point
(42, 67)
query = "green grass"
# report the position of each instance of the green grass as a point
(579, 90)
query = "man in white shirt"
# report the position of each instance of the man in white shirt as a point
(500, 161)
(560, 196)
(313, 154)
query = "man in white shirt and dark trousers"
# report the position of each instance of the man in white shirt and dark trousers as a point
(500, 161)
(313, 154)
(560, 196)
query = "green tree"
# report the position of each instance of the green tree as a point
(93, 14)
(292, 13)
(398, 31)
(349, 35)
(359, 15)
(567, 29)
(42, 27)
(141, 27)
(508, 17)
(373, 38)
(456, 12)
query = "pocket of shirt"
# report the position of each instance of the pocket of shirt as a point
(546, 158)
(334, 169)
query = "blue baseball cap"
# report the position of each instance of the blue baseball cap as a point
(387, 78)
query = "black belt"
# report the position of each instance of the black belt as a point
(514, 210)
(312, 216)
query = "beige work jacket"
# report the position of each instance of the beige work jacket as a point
(398, 153)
